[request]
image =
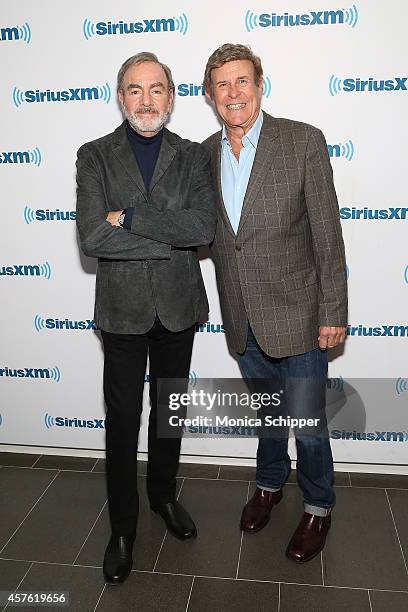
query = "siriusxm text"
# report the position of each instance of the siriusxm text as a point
(64, 95)
(20, 270)
(390, 331)
(391, 213)
(89, 424)
(358, 85)
(108, 28)
(54, 215)
(267, 20)
(377, 436)
(25, 372)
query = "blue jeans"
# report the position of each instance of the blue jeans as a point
(314, 457)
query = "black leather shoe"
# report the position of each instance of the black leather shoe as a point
(177, 519)
(118, 561)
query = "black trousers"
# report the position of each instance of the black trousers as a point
(124, 373)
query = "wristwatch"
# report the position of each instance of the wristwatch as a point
(121, 218)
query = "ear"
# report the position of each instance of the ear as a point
(208, 96)
(121, 97)
(261, 84)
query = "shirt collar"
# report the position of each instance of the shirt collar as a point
(251, 137)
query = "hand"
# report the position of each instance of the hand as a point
(113, 217)
(329, 337)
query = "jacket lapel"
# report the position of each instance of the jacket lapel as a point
(216, 168)
(123, 151)
(264, 158)
(166, 156)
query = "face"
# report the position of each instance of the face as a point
(236, 97)
(145, 98)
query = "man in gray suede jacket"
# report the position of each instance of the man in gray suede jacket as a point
(145, 203)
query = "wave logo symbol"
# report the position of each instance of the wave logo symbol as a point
(1, 420)
(267, 87)
(48, 420)
(55, 373)
(337, 384)
(347, 150)
(406, 275)
(105, 93)
(335, 85)
(29, 215)
(181, 24)
(88, 29)
(192, 377)
(351, 16)
(347, 272)
(24, 32)
(39, 323)
(401, 385)
(45, 270)
(251, 21)
(18, 97)
(35, 156)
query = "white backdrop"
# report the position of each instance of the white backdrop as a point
(313, 73)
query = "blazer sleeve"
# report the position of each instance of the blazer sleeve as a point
(191, 226)
(97, 237)
(328, 245)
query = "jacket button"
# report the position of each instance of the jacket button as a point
(238, 247)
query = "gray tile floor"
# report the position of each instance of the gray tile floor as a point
(54, 528)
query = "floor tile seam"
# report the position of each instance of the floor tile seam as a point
(279, 596)
(189, 596)
(100, 597)
(90, 531)
(20, 583)
(396, 531)
(36, 461)
(242, 535)
(29, 512)
(369, 600)
(279, 582)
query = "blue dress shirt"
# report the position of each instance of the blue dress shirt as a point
(235, 174)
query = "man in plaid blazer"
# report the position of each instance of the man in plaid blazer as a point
(280, 265)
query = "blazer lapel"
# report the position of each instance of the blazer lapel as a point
(216, 168)
(264, 158)
(166, 156)
(123, 151)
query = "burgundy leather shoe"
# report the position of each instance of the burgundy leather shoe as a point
(257, 511)
(309, 538)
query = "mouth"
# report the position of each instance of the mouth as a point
(236, 106)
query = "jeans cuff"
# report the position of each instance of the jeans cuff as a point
(271, 489)
(317, 510)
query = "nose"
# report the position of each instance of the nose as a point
(233, 91)
(146, 97)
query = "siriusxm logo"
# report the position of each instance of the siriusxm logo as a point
(357, 85)
(120, 28)
(379, 214)
(390, 331)
(406, 274)
(345, 150)
(62, 324)
(73, 94)
(40, 214)
(47, 373)
(59, 421)
(31, 156)
(274, 20)
(401, 385)
(210, 328)
(19, 32)
(374, 436)
(194, 90)
(43, 270)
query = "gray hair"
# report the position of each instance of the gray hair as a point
(139, 58)
(229, 53)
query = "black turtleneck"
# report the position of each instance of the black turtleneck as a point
(146, 151)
